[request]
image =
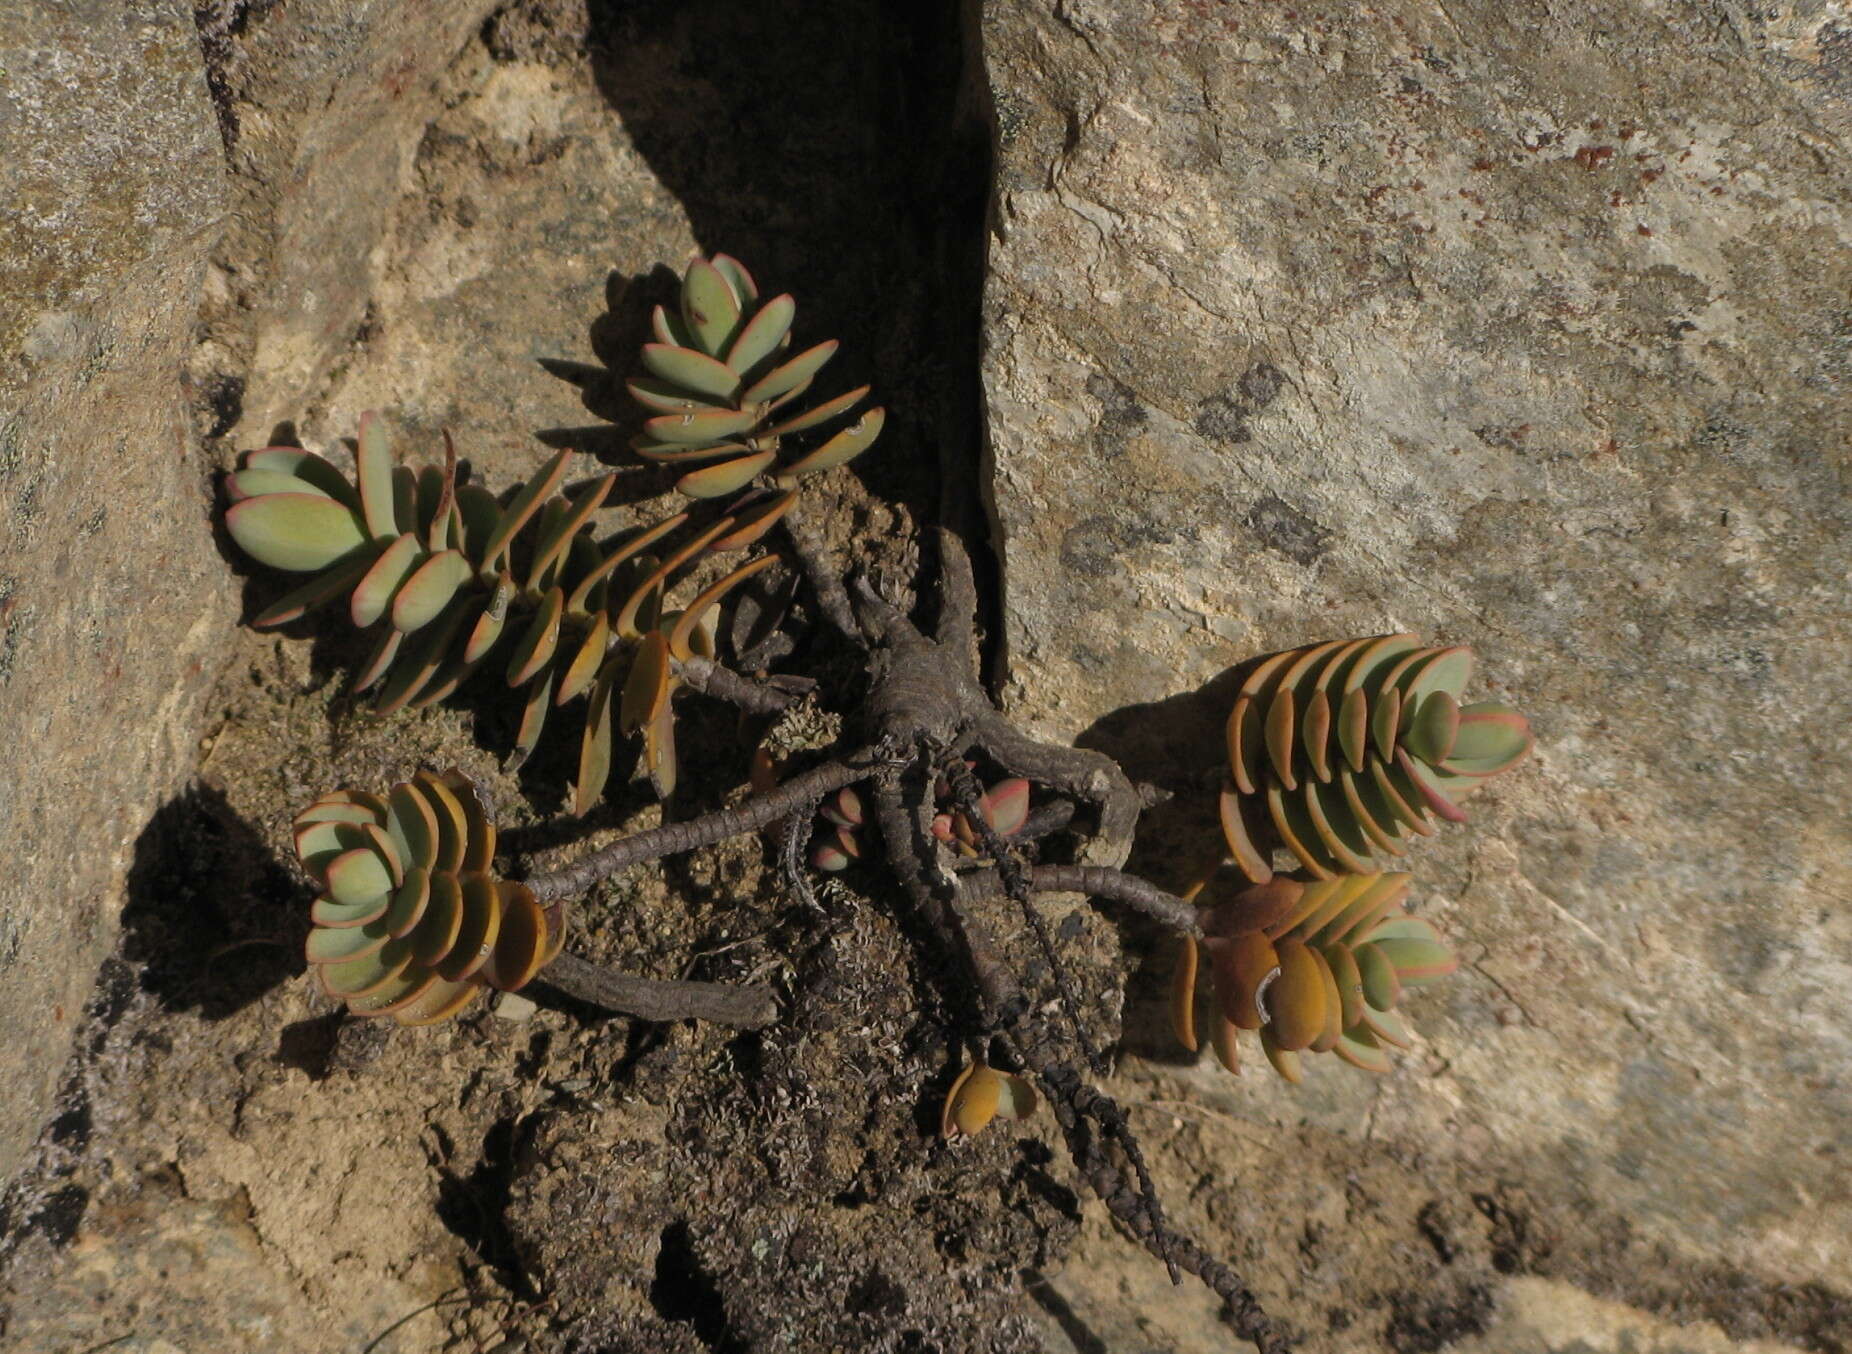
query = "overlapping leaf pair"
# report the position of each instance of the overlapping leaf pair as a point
(413, 922)
(449, 576)
(981, 1094)
(1005, 807)
(720, 387)
(1314, 965)
(1341, 751)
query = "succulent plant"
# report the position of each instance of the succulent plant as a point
(720, 388)
(982, 1093)
(1315, 965)
(413, 922)
(447, 575)
(1341, 751)
(1005, 807)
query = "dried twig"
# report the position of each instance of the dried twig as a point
(672, 838)
(746, 1007)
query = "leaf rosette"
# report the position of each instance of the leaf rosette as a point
(1311, 965)
(450, 577)
(1343, 751)
(722, 390)
(413, 922)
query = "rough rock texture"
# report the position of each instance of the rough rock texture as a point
(1514, 328)
(571, 1182)
(112, 600)
(425, 199)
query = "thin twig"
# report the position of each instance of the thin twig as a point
(823, 579)
(744, 1007)
(1074, 1105)
(1095, 881)
(754, 697)
(793, 832)
(906, 833)
(1017, 885)
(671, 838)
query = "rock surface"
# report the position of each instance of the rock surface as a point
(113, 604)
(1619, 1130)
(1520, 330)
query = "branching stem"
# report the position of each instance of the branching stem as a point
(754, 697)
(672, 838)
(745, 1007)
(1096, 882)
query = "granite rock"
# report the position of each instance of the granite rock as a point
(1520, 329)
(210, 210)
(112, 599)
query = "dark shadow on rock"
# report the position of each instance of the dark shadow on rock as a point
(473, 1207)
(841, 151)
(213, 921)
(1062, 1312)
(1175, 744)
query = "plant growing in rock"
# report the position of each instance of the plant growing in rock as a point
(449, 576)
(719, 384)
(1340, 751)
(1336, 752)
(414, 922)
(1313, 965)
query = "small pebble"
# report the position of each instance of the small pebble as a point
(515, 1008)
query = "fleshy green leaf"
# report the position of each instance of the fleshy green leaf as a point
(666, 397)
(374, 592)
(358, 876)
(536, 648)
(762, 334)
(725, 478)
(845, 446)
(308, 467)
(681, 636)
(595, 748)
(787, 376)
(1296, 998)
(709, 308)
(755, 521)
(413, 822)
(329, 945)
(583, 669)
(820, 414)
(437, 929)
(646, 688)
(533, 720)
(553, 542)
(409, 903)
(423, 596)
(523, 506)
(693, 371)
(324, 587)
(300, 532)
(373, 462)
(1433, 728)
(698, 428)
(482, 923)
(1417, 960)
(669, 328)
(738, 278)
(1381, 988)
(490, 624)
(245, 484)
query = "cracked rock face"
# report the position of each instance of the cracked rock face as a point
(112, 602)
(1523, 332)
